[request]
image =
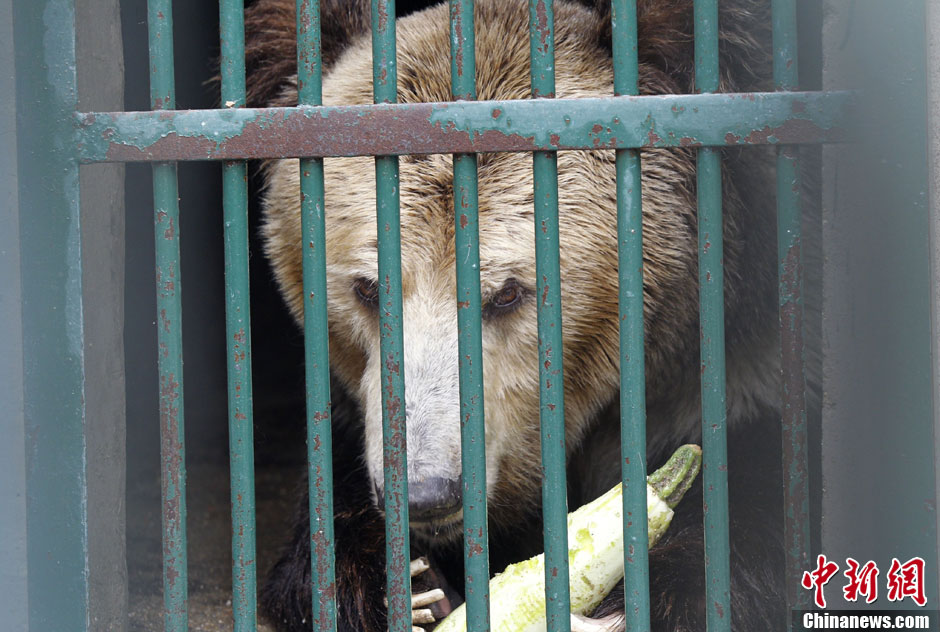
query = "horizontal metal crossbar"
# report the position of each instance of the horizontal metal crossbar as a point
(466, 127)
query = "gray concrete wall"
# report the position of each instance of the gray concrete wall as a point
(879, 274)
(99, 53)
(933, 156)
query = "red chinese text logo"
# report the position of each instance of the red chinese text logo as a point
(904, 580)
(819, 578)
(907, 580)
(862, 581)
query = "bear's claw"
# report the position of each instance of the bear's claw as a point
(420, 614)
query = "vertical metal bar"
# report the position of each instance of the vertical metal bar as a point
(238, 330)
(14, 584)
(470, 345)
(632, 361)
(551, 376)
(793, 382)
(711, 297)
(397, 546)
(316, 342)
(169, 329)
(53, 353)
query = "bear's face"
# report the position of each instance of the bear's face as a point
(510, 290)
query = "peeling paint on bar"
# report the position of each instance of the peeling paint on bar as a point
(470, 337)
(548, 282)
(712, 322)
(170, 331)
(316, 345)
(796, 527)
(391, 327)
(632, 357)
(238, 332)
(623, 122)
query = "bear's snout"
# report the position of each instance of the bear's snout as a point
(429, 498)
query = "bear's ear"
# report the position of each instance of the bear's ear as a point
(271, 49)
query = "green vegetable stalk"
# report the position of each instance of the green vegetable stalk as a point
(595, 557)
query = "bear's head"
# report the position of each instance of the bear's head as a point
(510, 291)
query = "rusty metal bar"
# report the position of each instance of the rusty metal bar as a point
(632, 360)
(712, 325)
(792, 364)
(470, 337)
(238, 331)
(551, 373)
(391, 327)
(623, 122)
(169, 330)
(316, 342)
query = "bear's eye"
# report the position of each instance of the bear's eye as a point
(367, 291)
(505, 300)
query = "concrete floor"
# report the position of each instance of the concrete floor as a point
(279, 465)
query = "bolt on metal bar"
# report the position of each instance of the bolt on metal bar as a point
(53, 351)
(169, 329)
(316, 342)
(790, 271)
(712, 319)
(470, 340)
(238, 331)
(551, 376)
(632, 360)
(395, 448)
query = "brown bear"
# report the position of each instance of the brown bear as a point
(587, 209)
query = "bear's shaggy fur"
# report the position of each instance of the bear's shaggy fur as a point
(589, 297)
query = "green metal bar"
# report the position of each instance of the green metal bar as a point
(632, 361)
(169, 330)
(786, 68)
(316, 343)
(470, 340)
(793, 382)
(397, 545)
(238, 331)
(712, 323)
(542, 48)
(705, 16)
(551, 375)
(52, 317)
(714, 416)
(468, 126)
(623, 28)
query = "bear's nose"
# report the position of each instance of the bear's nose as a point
(429, 498)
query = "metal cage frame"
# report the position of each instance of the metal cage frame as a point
(53, 337)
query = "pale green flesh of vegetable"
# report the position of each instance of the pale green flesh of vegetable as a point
(595, 556)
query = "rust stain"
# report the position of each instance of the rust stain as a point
(456, 10)
(542, 24)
